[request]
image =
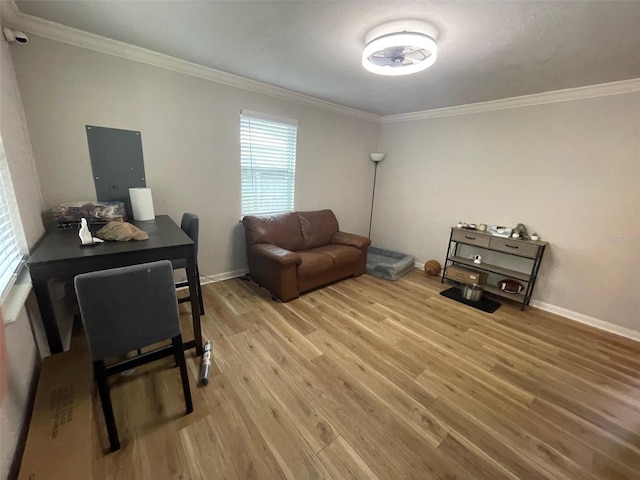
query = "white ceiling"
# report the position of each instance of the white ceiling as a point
(487, 50)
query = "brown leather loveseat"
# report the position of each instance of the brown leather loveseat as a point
(292, 253)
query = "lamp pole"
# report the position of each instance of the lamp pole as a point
(375, 158)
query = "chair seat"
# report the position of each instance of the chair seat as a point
(179, 263)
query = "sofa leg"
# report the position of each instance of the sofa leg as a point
(275, 298)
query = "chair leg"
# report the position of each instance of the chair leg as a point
(178, 349)
(200, 291)
(107, 407)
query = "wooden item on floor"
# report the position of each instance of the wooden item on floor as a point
(59, 440)
(527, 253)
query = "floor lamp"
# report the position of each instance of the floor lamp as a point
(375, 158)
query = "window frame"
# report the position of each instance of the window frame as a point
(13, 246)
(268, 154)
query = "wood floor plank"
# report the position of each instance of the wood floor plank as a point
(344, 463)
(295, 365)
(570, 371)
(475, 463)
(519, 434)
(244, 445)
(412, 412)
(485, 439)
(370, 379)
(342, 327)
(607, 443)
(592, 384)
(313, 426)
(575, 447)
(382, 362)
(442, 361)
(281, 328)
(575, 401)
(203, 451)
(281, 436)
(388, 445)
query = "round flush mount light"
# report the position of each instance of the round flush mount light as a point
(400, 48)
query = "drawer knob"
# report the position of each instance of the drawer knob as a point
(511, 246)
(469, 238)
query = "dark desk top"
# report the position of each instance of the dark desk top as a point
(60, 245)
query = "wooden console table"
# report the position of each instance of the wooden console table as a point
(530, 250)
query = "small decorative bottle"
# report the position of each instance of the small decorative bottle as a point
(85, 233)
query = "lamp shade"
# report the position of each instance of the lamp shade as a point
(376, 157)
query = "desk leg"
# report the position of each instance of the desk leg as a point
(41, 289)
(192, 278)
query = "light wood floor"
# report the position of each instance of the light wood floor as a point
(369, 379)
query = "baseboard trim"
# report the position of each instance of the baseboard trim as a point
(587, 320)
(219, 277)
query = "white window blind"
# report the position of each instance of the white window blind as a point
(10, 251)
(268, 163)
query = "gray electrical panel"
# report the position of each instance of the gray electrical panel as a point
(117, 163)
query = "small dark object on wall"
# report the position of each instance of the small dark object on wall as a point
(432, 267)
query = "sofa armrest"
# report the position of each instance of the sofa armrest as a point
(275, 269)
(351, 239)
(276, 254)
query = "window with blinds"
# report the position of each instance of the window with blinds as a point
(268, 163)
(11, 257)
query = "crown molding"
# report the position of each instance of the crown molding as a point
(557, 96)
(13, 18)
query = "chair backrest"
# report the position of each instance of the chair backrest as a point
(127, 308)
(190, 225)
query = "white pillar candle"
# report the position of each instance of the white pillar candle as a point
(141, 203)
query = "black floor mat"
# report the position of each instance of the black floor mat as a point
(484, 304)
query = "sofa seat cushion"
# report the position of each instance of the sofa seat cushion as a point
(314, 263)
(342, 255)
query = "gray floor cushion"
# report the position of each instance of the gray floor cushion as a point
(388, 264)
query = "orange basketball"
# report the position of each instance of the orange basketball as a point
(432, 267)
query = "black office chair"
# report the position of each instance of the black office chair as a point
(125, 309)
(190, 224)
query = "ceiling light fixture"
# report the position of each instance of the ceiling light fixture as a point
(400, 47)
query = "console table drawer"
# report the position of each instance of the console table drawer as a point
(516, 247)
(470, 238)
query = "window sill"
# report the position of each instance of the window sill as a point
(17, 297)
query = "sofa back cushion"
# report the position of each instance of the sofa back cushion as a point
(317, 227)
(282, 230)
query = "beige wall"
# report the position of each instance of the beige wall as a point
(568, 171)
(190, 139)
(22, 358)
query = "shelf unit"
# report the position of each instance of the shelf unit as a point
(525, 249)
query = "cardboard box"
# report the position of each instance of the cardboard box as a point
(59, 442)
(466, 275)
